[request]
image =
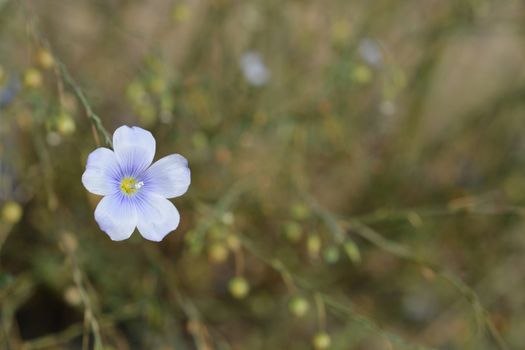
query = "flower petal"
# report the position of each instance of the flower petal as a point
(101, 174)
(169, 177)
(116, 215)
(135, 148)
(157, 216)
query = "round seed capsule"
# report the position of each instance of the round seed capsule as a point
(321, 341)
(298, 306)
(239, 287)
(11, 212)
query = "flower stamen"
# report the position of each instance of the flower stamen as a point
(130, 185)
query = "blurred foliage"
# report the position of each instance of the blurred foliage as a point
(357, 174)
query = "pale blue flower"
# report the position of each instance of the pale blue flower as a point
(370, 51)
(135, 191)
(254, 69)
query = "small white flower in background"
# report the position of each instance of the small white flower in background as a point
(370, 51)
(254, 69)
(135, 191)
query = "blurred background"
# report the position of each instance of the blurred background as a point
(357, 174)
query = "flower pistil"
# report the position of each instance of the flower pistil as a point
(129, 185)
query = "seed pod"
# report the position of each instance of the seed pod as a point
(217, 253)
(362, 74)
(66, 124)
(321, 341)
(298, 306)
(313, 245)
(331, 254)
(11, 212)
(32, 78)
(300, 211)
(45, 59)
(352, 251)
(239, 287)
(293, 231)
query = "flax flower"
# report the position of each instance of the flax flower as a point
(135, 191)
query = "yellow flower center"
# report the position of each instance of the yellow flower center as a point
(129, 185)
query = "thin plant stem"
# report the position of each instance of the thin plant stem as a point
(62, 73)
(337, 307)
(400, 251)
(86, 301)
(321, 312)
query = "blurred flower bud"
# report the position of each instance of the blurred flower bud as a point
(300, 211)
(298, 306)
(313, 245)
(217, 253)
(341, 31)
(158, 85)
(69, 242)
(228, 218)
(181, 13)
(136, 92)
(32, 78)
(72, 296)
(65, 124)
(239, 287)
(233, 242)
(321, 341)
(293, 231)
(352, 251)
(331, 254)
(45, 59)
(362, 74)
(11, 212)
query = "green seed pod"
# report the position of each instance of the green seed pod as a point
(45, 59)
(331, 254)
(313, 245)
(65, 124)
(32, 78)
(293, 231)
(11, 212)
(321, 341)
(239, 287)
(298, 306)
(352, 251)
(300, 211)
(362, 74)
(217, 253)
